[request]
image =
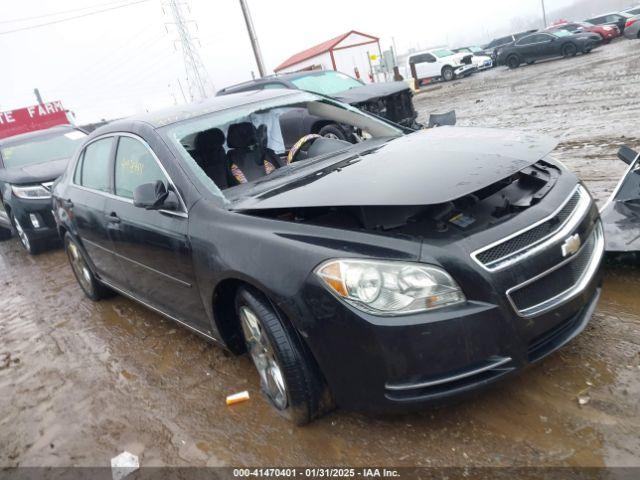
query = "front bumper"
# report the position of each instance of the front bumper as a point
(23, 209)
(465, 70)
(384, 364)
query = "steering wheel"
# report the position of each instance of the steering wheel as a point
(297, 147)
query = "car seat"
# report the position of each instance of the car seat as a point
(249, 158)
(212, 157)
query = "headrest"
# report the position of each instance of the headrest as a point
(211, 138)
(241, 135)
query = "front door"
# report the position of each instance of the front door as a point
(152, 245)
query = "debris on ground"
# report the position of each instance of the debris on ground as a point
(123, 465)
(237, 398)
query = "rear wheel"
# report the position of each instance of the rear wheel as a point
(288, 377)
(569, 50)
(513, 62)
(448, 74)
(90, 285)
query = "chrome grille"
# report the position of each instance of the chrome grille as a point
(518, 245)
(562, 282)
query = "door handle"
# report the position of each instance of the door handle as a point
(113, 218)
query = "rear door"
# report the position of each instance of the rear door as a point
(152, 245)
(88, 193)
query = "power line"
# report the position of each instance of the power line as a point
(198, 82)
(55, 14)
(31, 27)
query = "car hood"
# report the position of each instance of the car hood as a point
(426, 167)
(370, 92)
(35, 173)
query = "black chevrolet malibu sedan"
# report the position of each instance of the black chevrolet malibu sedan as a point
(381, 276)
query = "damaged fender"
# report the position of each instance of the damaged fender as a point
(621, 213)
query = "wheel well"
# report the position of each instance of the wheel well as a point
(446, 66)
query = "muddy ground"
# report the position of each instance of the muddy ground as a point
(81, 381)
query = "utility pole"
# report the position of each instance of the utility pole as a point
(544, 15)
(198, 81)
(252, 36)
(36, 92)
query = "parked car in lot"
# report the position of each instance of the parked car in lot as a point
(479, 58)
(494, 45)
(632, 28)
(29, 163)
(440, 63)
(617, 19)
(606, 32)
(391, 100)
(381, 276)
(547, 45)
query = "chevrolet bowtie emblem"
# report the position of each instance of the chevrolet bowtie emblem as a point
(571, 245)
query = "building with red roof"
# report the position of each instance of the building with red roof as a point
(349, 53)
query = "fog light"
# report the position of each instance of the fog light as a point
(34, 220)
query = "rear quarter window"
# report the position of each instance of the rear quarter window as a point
(94, 165)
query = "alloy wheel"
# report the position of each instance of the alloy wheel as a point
(263, 356)
(22, 235)
(80, 268)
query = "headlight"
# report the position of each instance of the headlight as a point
(390, 288)
(33, 192)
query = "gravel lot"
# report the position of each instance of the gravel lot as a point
(80, 382)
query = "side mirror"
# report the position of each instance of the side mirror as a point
(627, 155)
(154, 196)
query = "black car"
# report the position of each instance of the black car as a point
(379, 276)
(617, 19)
(491, 49)
(29, 163)
(543, 45)
(391, 100)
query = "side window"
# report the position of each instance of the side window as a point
(135, 165)
(77, 174)
(429, 58)
(95, 165)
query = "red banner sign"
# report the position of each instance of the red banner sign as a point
(36, 117)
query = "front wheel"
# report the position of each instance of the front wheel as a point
(448, 74)
(90, 285)
(30, 244)
(333, 131)
(288, 377)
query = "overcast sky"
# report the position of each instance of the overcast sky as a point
(126, 60)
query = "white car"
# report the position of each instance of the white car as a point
(440, 63)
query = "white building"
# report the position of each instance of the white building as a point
(348, 53)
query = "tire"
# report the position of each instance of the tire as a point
(447, 73)
(333, 131)
(288, 377)
(569, 50)
(513, 62)
(31, 245)
(90, 285)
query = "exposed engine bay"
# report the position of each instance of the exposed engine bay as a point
(471, 213)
